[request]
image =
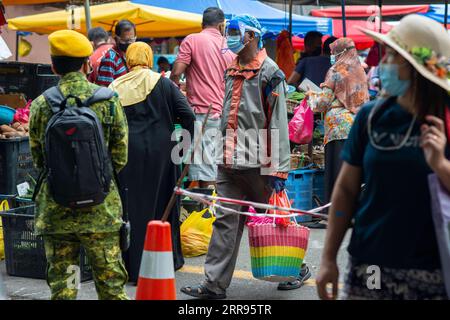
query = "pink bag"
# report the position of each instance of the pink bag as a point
(22, 115)
(302, 124)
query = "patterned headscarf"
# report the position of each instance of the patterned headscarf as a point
(347, 77)
(251, 21)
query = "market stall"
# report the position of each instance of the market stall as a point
(361, 40)
(367, 11)
(273, 20)
(27, 2)
(150, 21)
(345, 3)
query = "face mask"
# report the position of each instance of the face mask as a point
(123, 46)
(235, 44)
(390, 80)
(332, 59)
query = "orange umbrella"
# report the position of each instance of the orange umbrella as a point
(20, 2)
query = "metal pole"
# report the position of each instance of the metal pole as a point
(290, 21)
(380, 7)
(87, 12)
(197, 144)
(446, 14)
(344, 27)
(17, 45)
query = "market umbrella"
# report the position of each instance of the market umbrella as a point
(362, 41)
(365, 11)
(271, 19)
(21, 2)
(150, 21)
(343, 3)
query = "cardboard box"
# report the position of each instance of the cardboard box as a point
(13, 100)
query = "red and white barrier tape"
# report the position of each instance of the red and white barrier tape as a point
(210, 200)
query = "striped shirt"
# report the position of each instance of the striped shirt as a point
(111, 67)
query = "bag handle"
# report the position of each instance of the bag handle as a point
(287, 197)
(4, 205)
(267, 210)
(276, 211)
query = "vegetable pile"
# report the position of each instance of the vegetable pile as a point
(16, 130)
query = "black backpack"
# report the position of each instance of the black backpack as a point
(78, 166)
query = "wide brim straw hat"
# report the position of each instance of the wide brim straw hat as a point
(424, 43)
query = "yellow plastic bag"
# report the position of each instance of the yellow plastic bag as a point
(196, 233)
(4, 206)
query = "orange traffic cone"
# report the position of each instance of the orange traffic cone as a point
(156, 275)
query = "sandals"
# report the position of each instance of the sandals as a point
(201, 292)
(304, 275)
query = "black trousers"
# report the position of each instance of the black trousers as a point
(333, 163)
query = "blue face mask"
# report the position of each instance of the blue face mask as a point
(332, 59)
(390, 80)
(235, 44)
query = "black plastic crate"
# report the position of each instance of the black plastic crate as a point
(18, 78)
(24, 251)
(16, 164)
(22, 77)
(45, 78)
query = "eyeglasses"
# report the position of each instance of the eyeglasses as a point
(128, 41)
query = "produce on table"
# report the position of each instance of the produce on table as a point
(297, 96)
(16, 130)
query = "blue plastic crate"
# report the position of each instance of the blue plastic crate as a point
(299, 187)
(319, 186)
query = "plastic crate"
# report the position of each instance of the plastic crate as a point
(24, 251)
(319, 186)
(22, 77)
(16, 164)
(299, 186)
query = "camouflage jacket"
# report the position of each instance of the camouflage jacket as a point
(52, 218)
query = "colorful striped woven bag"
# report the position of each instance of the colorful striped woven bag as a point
(277, 251)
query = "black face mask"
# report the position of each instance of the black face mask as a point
(123, 46)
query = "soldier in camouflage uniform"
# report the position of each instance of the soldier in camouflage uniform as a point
(95, 228)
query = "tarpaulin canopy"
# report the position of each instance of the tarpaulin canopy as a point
(367, 11)
(357, 2)
(436, 12)
(21, 2)
(150, 21)
(361, 40)
(273, 20)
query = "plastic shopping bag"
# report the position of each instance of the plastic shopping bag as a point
(440, 205)
(301, 125)
(196, 233)
(4, 206)
(280, 199)
(277, 199)
(22, 115)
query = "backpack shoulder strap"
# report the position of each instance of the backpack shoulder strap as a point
(276, 78)
(100, 94)
(54, 97)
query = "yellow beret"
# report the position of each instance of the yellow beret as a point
(69, 43)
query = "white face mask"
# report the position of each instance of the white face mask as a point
(334, 57)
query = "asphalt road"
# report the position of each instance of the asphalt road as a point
(243, 286)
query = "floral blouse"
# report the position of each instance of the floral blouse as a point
(338, 120)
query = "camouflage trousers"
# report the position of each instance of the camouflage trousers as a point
(104, 255)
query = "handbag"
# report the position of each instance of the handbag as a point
(277, 249)
(440, 208)
(301, 125)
